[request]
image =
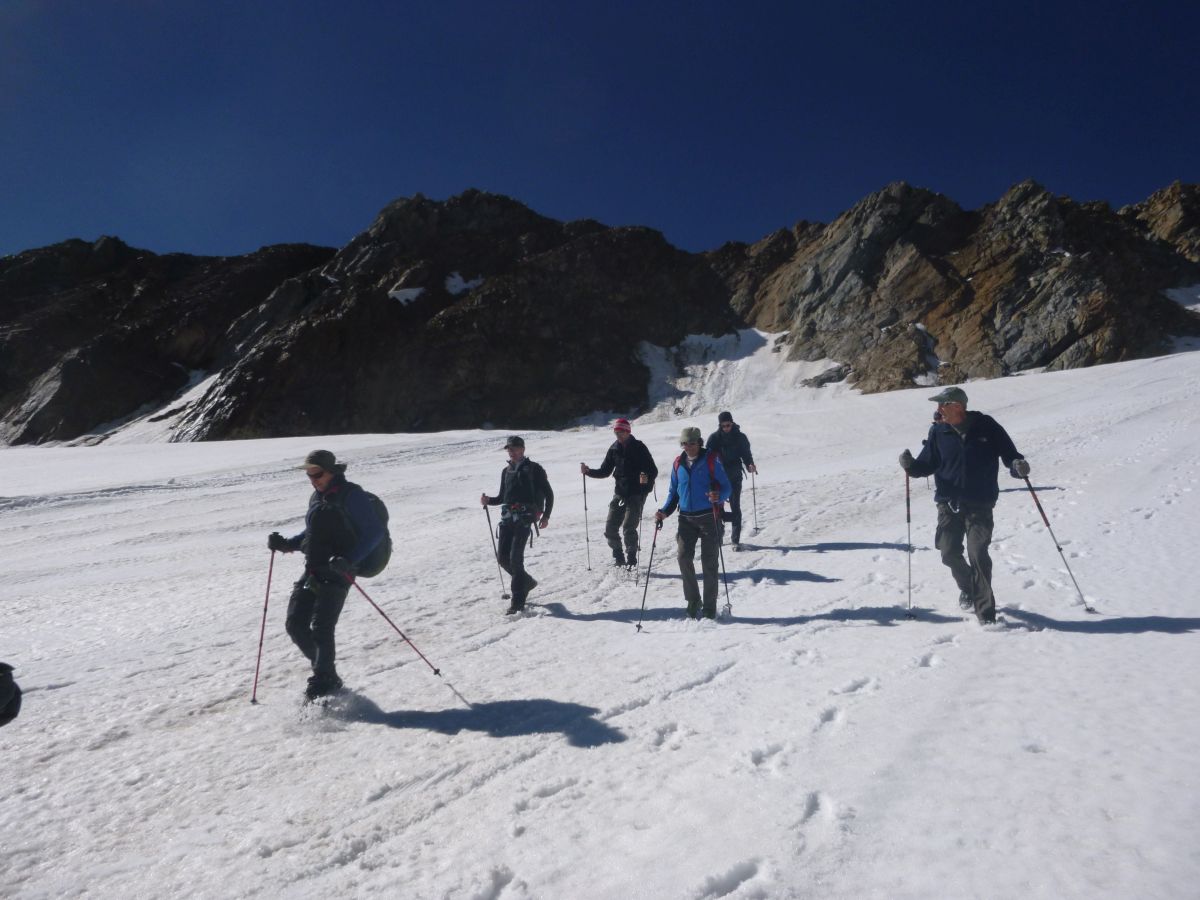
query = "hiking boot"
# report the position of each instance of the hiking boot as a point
(322, 686)
(631, 560)
(530, 582)
(964, 601)
(737, 548)
(515, 608)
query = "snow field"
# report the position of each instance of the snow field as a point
(819, 743)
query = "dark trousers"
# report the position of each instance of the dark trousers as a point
(624, 517)
(700, 527)
(735, 509)
(973, 577)
(514, 536)
(312, 616)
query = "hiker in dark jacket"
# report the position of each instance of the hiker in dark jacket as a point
(10, 695)
(527, 499)
(633, 468)
(734, 449)
(963, 453)
(698, 484)
(341, 529)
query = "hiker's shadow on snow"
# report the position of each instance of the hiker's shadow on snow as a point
(875, 615)
(775, 576)
(887, 616)
(1102, 624)
(832, 547)
(502, 718)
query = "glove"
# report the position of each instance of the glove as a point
(342, 567)
(1020, 468)
(906, 460)
(276, 541)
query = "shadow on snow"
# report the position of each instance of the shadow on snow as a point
(823, 548)
(1104, 625)
(502, 718)
(877, 615)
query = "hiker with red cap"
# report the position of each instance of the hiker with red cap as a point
(630, 463)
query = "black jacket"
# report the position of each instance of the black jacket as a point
(625, 462)
(965, 464)
(525, 492)
(734, 450)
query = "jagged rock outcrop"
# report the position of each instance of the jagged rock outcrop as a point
(907, 287)
(453, 314)
(1172, 214)
(477, 309)
(92, 332)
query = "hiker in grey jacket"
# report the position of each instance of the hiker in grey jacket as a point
(963, 453)
(734, 449)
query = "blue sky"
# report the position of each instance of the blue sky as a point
(217, 127)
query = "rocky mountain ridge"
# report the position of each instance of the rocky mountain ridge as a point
(476, 309)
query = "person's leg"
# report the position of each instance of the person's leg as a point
(710, 541)
(629, 527)
(330, 598)
(735, 511)
(951, 528)
(299, 618)
(685, 542)
(504, 539)
(979, 537)
(518, 540)
(612, 528)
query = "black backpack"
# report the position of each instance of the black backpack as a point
(376, 561)
(345, 535)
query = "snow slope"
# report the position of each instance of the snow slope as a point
(819, 744)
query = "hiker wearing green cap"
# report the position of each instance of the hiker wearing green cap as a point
(963, 453)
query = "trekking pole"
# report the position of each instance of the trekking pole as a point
(728, 610)
(263, 630)
(754, 498)
(496, 554)
(641, 519)
(586, 536)
(908, 517)
(436, 671)
(1033, 494)
(653, 544)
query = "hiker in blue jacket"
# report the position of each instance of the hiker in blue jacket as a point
(341, 529)
(963, 453)
(699, 487)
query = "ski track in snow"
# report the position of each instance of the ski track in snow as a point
(818, 742)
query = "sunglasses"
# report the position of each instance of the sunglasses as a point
(689, 444)
(726, 424)
(320, 473)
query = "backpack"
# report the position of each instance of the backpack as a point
(712, 465)
(376, 561)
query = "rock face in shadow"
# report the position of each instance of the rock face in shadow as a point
(91, 333)
(477, 310)
(908, 288)
(458, 313)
